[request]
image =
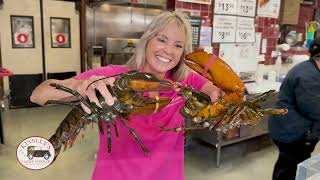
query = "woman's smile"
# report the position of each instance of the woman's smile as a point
(163, 59)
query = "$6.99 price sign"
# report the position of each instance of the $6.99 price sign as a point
(245, 30)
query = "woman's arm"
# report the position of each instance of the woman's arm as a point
(86, 88)
(44, 92)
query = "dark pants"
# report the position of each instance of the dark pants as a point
(290, 155)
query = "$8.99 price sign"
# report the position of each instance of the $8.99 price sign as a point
(224, 28)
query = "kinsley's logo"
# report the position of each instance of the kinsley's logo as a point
(35, 153)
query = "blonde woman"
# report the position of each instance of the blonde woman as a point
(161, 51)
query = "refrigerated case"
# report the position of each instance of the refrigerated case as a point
(116, 26)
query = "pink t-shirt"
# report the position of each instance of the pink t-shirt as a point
(127, 160)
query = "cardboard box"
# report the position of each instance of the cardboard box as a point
(289, 12)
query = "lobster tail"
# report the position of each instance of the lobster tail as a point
(68, 130)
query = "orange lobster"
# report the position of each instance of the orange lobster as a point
(229, 111)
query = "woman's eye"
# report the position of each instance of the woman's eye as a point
(161, 40)
(179, 46)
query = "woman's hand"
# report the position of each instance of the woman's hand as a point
(213, 91)
(216, 94)
(88, 87)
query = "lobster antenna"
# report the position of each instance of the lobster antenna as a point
(102, 79)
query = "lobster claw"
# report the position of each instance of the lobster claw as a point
(217, 69)
(218, 72)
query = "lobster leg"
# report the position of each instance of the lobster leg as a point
(115, 127)
(136, 137)
(179, 129)
(273, 111)
(73, 104)
(261, 97)
(108, 136)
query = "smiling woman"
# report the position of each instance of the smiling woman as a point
(161, 51)
(167, 40)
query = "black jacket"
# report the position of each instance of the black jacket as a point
(300, 94)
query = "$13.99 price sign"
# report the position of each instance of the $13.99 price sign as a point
(247, 8)
(225, 7)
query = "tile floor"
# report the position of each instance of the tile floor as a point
(77, 163)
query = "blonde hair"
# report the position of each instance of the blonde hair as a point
(138, 60)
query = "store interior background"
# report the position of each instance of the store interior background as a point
(245, 160)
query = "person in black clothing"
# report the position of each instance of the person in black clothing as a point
(297, 133)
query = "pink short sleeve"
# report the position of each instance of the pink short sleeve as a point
(196, 80)
(102, 71)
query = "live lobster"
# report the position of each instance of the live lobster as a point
(127, 91)
(229, 111)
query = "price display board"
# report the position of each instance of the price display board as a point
(225, 7)
(224, 28)
(247, 8)
(245, 30)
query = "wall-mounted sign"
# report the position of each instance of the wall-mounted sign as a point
(205, 36)
(225, 7)
(245, 30)
(224, 28)
(197, 1)
(22, 33)
(60, 32)
(268, 8)
(247, 8)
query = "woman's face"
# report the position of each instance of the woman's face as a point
(163, 52)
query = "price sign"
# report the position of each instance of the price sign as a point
(245, 30)
(225, 7)
(205, 36)
(224, 28)
(247, 8)
(268, 8)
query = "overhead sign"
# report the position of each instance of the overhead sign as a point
(224, 28)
